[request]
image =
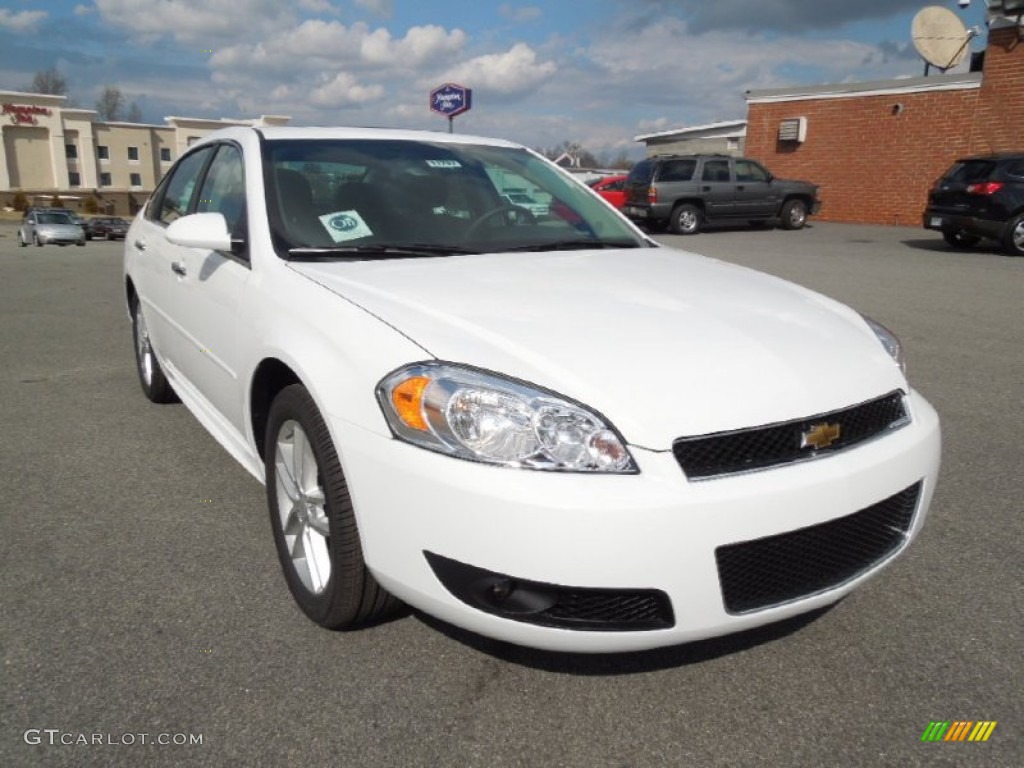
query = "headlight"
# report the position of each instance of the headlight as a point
(889, 341)
(480, 416)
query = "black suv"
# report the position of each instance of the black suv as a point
(980, 197)
(684, 191)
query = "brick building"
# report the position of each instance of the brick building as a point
(876, 147)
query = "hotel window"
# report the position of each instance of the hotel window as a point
(133, 154)
(105, 179)
(103, 152)
(74, 179)
(136, 179)
(70, 151)
(165, 154)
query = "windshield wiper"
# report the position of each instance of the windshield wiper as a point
(577, 244)
(375, 250)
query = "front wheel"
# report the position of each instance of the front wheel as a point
(1013, 242)
(313, 520)
(37, 241)
(794, 214)
(960, 239)
(685, 219)
(154, 384)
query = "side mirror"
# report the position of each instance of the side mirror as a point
(208, 231)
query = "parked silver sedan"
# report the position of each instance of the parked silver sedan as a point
(42, 227)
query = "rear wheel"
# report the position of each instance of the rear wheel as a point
(1013, 242)
(794, 214)
(960, 239)
(685, 219)
(313, 520)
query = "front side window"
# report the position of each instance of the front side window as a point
(748, 170)
(176, 192)
(224, 189)
(450, 197)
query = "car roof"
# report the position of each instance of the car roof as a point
(380, 134)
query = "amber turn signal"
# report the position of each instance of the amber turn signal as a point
(407, 399)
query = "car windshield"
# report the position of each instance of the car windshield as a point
(396, 198)
(53, 218)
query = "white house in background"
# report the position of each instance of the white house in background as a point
(727, 138)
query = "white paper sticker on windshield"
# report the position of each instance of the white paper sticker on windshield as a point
(345, 225)
(444, 163)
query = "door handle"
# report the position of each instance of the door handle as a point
(178, 268)
(140, 245)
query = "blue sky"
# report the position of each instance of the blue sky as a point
(597, 72)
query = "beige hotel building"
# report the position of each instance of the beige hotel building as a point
(50, 149)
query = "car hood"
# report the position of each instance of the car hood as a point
(663, 343)
(66, 230)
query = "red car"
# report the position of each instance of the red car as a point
(612, 189)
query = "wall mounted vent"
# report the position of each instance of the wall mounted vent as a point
(793, 129)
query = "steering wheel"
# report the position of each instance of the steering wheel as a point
(513, 216)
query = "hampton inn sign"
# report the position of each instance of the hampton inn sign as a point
(25, 114)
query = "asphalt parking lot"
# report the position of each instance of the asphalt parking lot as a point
(142, 595)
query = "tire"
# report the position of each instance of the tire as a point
(37, 241)
(1013, 241)
(313, 520)
(685, 219)
(88, 236)
(960, 239)
(80, 243)
(794, 214)
(154, 384)
(110, 236)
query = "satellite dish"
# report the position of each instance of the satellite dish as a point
(940, 37)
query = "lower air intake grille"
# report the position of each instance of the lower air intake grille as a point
(776, 569)
(553, 605)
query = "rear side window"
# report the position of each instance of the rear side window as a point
(642, 172)
(678, 170)
(1015, 169)
(969, 171)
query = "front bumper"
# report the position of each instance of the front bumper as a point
(655, 531)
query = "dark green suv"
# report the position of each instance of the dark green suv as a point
(685, 191)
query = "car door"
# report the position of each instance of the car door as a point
(155, 281)
(717, 188)
(208, 288)
(755, 196)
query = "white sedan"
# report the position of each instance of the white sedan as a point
(550, 431)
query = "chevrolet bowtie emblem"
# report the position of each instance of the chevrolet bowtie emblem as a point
(820, 436)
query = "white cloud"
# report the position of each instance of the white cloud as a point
(318, 6)
(83, 10)
(513, 72)
(20, 21)
(344, 90)
(520, 14)
(379, 7)
(200, 21)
